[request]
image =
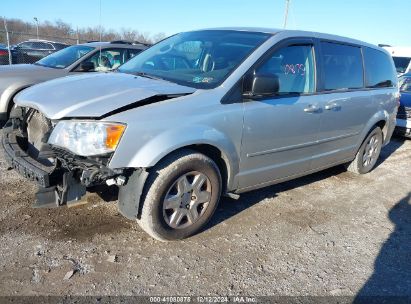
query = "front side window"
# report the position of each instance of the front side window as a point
(405, 84)
(379, 70)
(294, 68)
(107, 60)
(24, 45)
(201, 59)
(65, 57)
(342, 66)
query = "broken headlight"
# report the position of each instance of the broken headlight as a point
(87, 138)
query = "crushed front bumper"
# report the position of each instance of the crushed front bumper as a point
(25, 165)
(63, 178)
(48, 178)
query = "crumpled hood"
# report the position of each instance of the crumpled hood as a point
(94, 95)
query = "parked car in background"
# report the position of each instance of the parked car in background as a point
(33, 50)
(404, 111)
(88, 57)
(201, 114)
(402, 58)
(4, 54)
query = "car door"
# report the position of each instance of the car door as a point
(280, 131)
(38, 50)
(20, 52)
(347, 107)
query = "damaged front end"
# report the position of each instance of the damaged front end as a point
(62, 176)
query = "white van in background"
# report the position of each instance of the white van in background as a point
(401, 56)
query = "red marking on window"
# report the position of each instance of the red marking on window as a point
(295, 69)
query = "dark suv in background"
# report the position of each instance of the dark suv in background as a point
(33, 50)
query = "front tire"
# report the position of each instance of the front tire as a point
(180, 196)
(368, 153)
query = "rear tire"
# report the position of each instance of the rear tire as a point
(368, 153)
(180, 196)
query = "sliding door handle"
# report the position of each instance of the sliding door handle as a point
(332, 106)
(312, 109)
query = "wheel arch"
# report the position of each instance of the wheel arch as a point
(216, 155)
(380, 119)
(8, 96)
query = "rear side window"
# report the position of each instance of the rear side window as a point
(342, 66)
(380, 72)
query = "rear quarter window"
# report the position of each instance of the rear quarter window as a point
(342, 66)
(379, 69)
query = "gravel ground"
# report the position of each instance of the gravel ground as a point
(331, 233)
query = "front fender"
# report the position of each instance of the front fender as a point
(130, 154)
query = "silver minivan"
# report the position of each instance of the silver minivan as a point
(203, 114)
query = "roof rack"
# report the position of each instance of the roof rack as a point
(121, 42)
(142, 43)
(384, 45)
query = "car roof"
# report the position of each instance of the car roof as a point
(41, 40)
(117, 45)
(296, 33)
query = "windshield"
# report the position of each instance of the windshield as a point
(401, 64)
(405, 84)
(65, 57)
(201, 59)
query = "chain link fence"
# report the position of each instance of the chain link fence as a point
(28, 42)
(20, 47)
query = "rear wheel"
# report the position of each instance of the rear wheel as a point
(180, 196)
(368, 153)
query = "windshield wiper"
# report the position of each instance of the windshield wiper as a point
(145, 75)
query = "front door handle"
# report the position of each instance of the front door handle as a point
(312, 109)
(332, 106)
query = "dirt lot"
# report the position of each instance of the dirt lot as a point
(331, 233)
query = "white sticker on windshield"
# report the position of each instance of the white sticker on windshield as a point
(203, 79)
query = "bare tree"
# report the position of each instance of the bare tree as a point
(61, 31)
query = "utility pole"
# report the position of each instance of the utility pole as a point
(78, 36)
(287, 6)
(8, 39)
(37, 26)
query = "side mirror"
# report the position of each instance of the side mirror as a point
(87, 66)
(260, 85)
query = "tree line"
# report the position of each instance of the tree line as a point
(61, 31)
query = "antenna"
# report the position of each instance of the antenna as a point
(100, 30)
(287, 6)
(100, 22)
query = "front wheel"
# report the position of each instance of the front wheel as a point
(368, 153)
(180, 196)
